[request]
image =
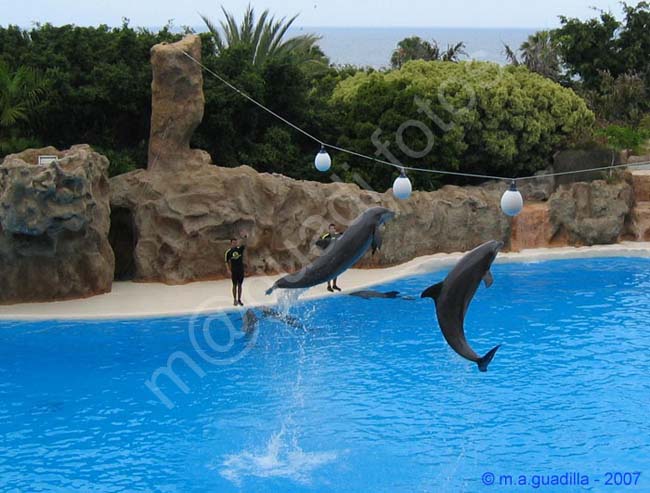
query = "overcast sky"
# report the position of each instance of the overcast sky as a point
(367, 13)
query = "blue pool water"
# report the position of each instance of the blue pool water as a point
(366, 398)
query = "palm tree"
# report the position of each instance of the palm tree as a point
(511, 55)
(20, 95)
(453, 52)
(539, 53)
(263, 37)
(415, 48)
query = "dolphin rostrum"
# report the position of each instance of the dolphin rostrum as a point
(453, 296)
(342, 254)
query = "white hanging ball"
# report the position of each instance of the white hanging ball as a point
(512, 202)
(323, 161)
(402, 187)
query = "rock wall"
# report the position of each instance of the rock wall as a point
(591, 213)
(532, 228)
(183, 222)
(54, 222)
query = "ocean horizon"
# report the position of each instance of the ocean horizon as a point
(373, 46)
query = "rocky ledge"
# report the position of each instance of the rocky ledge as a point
(176, 226)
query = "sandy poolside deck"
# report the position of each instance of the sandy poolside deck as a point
(144, 300)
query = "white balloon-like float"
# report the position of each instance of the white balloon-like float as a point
(323, 161)
(402, 187)
(512, 202)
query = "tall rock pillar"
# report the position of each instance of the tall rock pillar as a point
(176, 105)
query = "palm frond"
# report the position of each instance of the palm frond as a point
(284, 27)
(20, 93)
(214, 31)
(230, 28)
(264, 37)
(511, 56)
(259, 29)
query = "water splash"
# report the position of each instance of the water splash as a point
(279, 459)
(287, 298)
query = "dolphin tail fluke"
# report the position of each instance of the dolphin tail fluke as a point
(485, 360)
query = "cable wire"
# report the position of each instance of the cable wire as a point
(394, 165)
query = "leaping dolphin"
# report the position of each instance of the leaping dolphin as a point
(453, 296)
(342, 254)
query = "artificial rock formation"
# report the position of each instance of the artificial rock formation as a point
(532, 227)
(182, 226)
(54, 223)
(591, 213)
(176, 105)
(539, 188)
(640, 224)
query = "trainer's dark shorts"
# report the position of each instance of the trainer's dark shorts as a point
(237, 276)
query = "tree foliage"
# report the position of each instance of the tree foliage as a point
(539, 53)
(480, 118)
(263, 39)
(606, 45)
(605, 59)
(235, 131)
(99, 83)
(21, 94)
(415, 48)
(99, 92)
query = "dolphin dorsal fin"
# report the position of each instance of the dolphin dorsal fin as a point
(432, 291)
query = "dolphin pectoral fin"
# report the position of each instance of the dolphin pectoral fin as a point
(485, 360)
(391, 294)
(432, 291)
(488, 279)
(376, 240)
(270, 290)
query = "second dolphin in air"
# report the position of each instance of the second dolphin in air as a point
(453, 296)
(342, 254)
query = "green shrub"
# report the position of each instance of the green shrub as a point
(620, 137)
(499, 121)
(99, 82)
(123, 160)
(644, 124)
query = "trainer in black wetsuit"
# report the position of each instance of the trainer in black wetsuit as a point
(235, 262)
(325, 241)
